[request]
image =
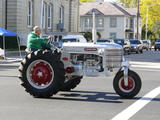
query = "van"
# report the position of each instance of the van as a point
(74, 38)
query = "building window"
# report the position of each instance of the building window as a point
(44, 15)
(113, 22)
(50, 8)
(131, 23)
(30, 13)
(113, 35)
(61, 16)
(100, 22)
(127, 23)
(88, 22)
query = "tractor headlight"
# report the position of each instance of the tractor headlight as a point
(100, 51)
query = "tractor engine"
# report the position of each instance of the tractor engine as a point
(90, 63)
(91, 59)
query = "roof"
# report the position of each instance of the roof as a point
(107, 8)
(132, 11)
(4, 32)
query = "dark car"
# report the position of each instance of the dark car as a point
(157, 44)
(136, 46)
(105, 40)
(125, 44)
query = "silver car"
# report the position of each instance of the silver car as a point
(136, 46)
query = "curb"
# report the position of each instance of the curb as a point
(11, 60)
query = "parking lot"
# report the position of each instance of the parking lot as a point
(93, 99)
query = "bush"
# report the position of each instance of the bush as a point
(88, 35)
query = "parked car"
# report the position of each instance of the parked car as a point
(136, 46)
(74, 38)
(125, 44)
(105, 40)
(157, 44)
(146, 44)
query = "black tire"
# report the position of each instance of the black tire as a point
(155, 49)
(132, 89)
(137, 52)
(129, 52)
(46, 82)
(71, 84)
(141, 51)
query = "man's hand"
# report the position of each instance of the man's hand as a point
(49, 37)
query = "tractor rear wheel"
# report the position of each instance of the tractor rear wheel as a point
(71, 83)
(42, 73)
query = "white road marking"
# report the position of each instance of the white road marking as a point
(138, 105)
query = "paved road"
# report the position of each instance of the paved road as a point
(93, 99)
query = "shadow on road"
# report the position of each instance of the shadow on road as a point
(88, 96)
(93, 96)
(147, 99)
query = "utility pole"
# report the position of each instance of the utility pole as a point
(137, 36)
(94, 36)
(6, 2)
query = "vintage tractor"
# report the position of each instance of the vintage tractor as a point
(45, 72)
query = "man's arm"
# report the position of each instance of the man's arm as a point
(35, 39)
(45, 45)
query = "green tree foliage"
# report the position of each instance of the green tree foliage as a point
(129, 3)
(156, 28)
(153, 13)
(86, 0)
(88, 35)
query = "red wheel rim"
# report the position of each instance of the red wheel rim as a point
(40, 74)
(129, 87)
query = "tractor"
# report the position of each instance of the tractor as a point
(45, 72)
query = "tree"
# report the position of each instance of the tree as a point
(129, 3)
(156, 28)
(153, 13)
(88, 36)
(86, 0)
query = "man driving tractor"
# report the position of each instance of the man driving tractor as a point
(35, 42)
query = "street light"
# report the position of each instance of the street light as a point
(147, 17)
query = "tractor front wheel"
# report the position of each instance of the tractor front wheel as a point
(133, 87)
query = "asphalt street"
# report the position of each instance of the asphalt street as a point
(93, 99)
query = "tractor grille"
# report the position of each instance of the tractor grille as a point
(113, 58)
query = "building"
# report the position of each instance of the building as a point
(55, 17)
(112, 20)
(2, 13)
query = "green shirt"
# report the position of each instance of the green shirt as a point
(34, 41)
